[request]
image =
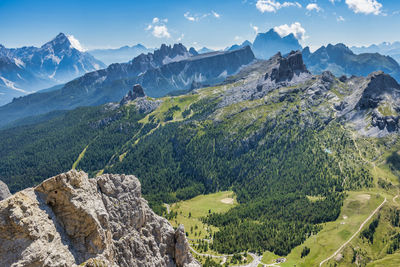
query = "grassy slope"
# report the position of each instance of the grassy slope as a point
(199, 207)
(355, 210)
(357, 207)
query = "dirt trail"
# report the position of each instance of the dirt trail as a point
(355, 234)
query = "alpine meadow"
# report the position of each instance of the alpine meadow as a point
(211, 133)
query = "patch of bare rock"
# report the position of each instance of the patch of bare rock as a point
(71, 220)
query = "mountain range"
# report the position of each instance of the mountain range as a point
(168, 69)
(204, 50)
(28, 69)
(340, 60)
(385, 48)
(119, 55)
(267, 44)
(309, 157)
(174, 69)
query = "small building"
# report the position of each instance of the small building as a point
(280, 260)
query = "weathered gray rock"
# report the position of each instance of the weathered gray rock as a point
(136, 92)
(142, 102)
(379, 85)
(70, 220)
(287, 67)
(279, 72)
(4, 191)
(373, 104)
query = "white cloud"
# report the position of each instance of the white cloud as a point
(333, 1)
(255, 28)
(161, 31)
(313, 6)
(215, 14)
(197, 17)
(298, 31)
(190, 17)
(340, 19)
(273, 5)
(75, 43)
(180, 38)
(365, 6)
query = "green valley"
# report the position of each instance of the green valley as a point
(296, 178)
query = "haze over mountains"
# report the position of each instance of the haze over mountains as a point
(28, 69)
(384, 48)
(169, 69)
(273, 132)
(119, 55)
(340, 60)
(306, 145)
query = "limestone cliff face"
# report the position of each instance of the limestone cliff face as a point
(70, 220)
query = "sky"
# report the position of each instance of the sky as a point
(212, 23)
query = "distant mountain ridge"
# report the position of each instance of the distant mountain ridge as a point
(340, 60)
(205, 50)
(268, 44)
(27, 69)
(168, 69)
(120, 55)
(384, 48)
(236, 46)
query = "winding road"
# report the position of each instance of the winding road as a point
(355, 234)
(256, 259)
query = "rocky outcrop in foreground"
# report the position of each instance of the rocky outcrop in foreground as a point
(4, 191)
(71, 220)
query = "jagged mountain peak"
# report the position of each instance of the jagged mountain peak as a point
(57, 61)
(267, 44)
(64, 42)
(193, 51)
(270, 33)
(287, 67)
(341, 60)
(60, 40)
(247, 42)
(290, 37)
(380, 83)
(167, 53)
(372, 105)
(340, 47)
(136, 92)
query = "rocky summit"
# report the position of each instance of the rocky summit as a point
(267, 44)
(136, 92)
(71, 220)
(28, 69)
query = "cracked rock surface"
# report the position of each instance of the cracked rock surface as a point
(71, 220)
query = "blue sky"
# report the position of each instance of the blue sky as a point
(211, 23)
